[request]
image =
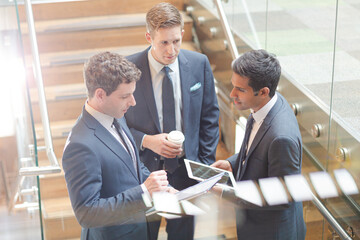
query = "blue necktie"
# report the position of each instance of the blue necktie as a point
(169, 123)
(168, 103)
(244, 146)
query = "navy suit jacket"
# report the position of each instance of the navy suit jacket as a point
(103, 186)
(200, 110)
(275, 151)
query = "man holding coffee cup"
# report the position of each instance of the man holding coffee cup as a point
(175, 92)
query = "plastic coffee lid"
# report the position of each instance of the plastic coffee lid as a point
(176, 136)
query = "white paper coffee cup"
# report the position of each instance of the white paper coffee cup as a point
(176, 137)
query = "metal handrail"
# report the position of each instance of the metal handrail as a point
(225, 24)
(330, 219)
(234, 52)
(54, 165)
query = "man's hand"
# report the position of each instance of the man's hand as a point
(217, 190)
(159, 144)
(223, 164)
(157, 182)
(171, 190)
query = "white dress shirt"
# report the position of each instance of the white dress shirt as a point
(157, 76)
(259, 117)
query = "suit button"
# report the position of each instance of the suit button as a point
(155, 158)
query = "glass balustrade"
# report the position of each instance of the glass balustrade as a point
(20, 208)
(317, 45)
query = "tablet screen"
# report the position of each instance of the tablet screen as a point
(201, 172)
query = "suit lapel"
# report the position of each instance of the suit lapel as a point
(145, 85)
(185, 88)
(109, 141)
(261, 132)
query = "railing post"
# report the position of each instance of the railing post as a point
(54, 165)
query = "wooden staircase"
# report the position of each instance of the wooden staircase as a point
(68, 33)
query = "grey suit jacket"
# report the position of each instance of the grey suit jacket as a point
(200, 111)
(103, 186)
(275, 151)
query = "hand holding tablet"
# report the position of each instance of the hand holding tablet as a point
(201, 172)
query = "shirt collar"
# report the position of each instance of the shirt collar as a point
(158, 66)
(260, 115)
(102, 118)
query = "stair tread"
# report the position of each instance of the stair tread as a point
(92, 23)
(57, 208)
(79, 56)
(61, 92)
(59, 129)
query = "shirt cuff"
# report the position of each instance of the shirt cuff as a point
(146, 196)
(141, 144)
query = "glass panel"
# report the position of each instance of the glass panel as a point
(345, 125)
(301, 34)
(20, 215)
(248, 21)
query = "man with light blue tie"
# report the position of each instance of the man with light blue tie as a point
(175, 92)
(104, 176)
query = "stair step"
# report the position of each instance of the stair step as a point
(59, 129)
(67, 67)
(57, 208)
(81, 8)
(87, 23)
(59, 219)
(61, 92)
(92, 32)
(53, 186)
(60, 110)
(58, 145)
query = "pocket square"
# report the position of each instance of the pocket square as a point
(195, 87)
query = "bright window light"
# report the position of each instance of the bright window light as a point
(12, 78)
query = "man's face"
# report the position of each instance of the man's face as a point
(243, 95)
(165, 44)
(119, 101)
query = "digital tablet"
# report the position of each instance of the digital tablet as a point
(201, 172)
(186, 194)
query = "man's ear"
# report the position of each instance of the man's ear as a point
(148, 37)
(265, 91)
(182, 33)
(100, 94)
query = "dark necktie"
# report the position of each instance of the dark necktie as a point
(121, 134)
(244, 146)
(169, 123)
(168, 103)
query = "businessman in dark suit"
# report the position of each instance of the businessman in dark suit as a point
(104, 176)
(189, 105)
(272, 146)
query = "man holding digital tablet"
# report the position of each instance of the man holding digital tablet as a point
(272, 146)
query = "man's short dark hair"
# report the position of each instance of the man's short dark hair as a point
(107, 70)
(261, 68)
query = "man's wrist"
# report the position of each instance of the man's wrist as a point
(146, 196)
(142, 147)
